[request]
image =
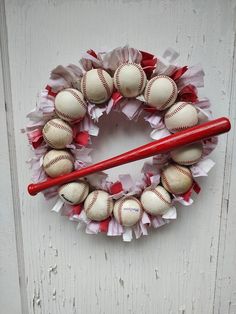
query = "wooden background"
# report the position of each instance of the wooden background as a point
(46, 266)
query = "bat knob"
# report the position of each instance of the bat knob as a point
(31, 189)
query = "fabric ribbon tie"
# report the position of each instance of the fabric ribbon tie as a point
(103, 226)
(178, 73)
(35, 138)
(50, 91)
(188, 93)
(82, 138)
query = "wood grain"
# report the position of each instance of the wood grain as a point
(181, 268)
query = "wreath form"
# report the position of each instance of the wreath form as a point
(124, 212)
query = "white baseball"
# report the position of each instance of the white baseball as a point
(176, 179)
(181, 116)
(155, 201)
(187, 155)
(130, 79)
(98, 205)
(97, 86)
(58, 162)
(70, 105)
(74, 192)
(161, 92)
(57, 133)
(128, 211)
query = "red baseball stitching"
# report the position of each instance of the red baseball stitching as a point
(64, 115)
(104, 82)
(140, 87)
(73, 93)
(84, 89)
(116, 78)
(56, 159)
(59, 126)
(48, 141)
(95, 195)
(183, 171)
(109, 203)
(180, 107)
(180, 128)
(188, 162)
(164, 179)
(159, 195)
(84, 191)
(174, 90)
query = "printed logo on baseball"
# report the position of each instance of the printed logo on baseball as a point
(156, 201)
(70, 105)
(187, 155)
(130, 79)
(74, 193)
(128, 211)
(58, 162)
(181, 116)
(161, 92)
(57, 133)
(97, 86)
(98, 205)
(176, 179)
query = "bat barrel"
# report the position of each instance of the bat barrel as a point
(173, 141)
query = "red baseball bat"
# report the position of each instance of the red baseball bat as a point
(173, 141)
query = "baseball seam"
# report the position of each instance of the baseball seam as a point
(56, 159)
(189, 162)
(159, 195)
(182, 127)
(84, 89)
(84, 191)
(104, 82)
(58, 126)
(95, 195)
(73, 93)
(180, 107)
(140, 87)
(65, 115)
(116, 78)
(163, 177)
(183, 171)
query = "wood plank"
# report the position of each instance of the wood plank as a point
(174, 269)
(225, 292)
(10, 296)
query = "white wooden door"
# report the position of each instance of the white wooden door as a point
(46, 266)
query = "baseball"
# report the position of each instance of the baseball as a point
(57, 133)
(130, 79)
(187, 155)
(97, 86)
(181, 116)
(161, 92)
(70, 105)
(128, 211)
(58, 162)
(156, 201)
(98, 205)
(74, 192)
(176, 179)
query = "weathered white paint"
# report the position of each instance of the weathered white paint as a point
(10, 299)
(181, 268)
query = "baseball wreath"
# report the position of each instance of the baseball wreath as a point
(141, 86)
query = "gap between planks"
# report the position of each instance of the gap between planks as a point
(12, 156)
(231, 137)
